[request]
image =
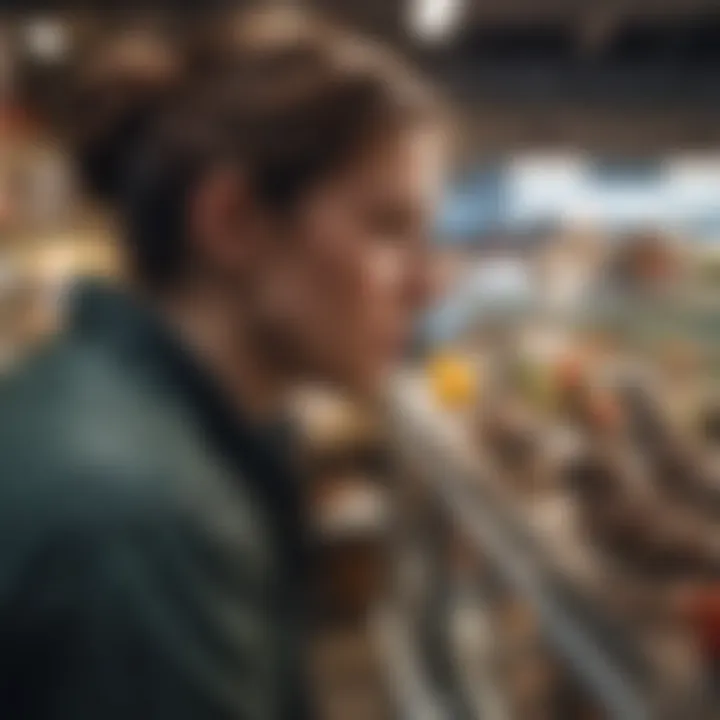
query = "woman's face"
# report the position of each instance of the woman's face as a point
(339, 284)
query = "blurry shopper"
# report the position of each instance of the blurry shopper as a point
(273, 193)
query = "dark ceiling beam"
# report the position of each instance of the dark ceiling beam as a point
(496, 129)
(528, 10)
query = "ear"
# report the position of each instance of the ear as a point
(223, 220)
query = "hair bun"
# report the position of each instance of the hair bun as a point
(120, 92)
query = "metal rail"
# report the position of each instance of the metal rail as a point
(600, 653)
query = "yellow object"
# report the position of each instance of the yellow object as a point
(453, 380)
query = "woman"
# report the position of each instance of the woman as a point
(273, 192)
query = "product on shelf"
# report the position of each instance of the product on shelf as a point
(454, 380)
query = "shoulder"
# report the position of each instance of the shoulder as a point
(85, 451)
(74, 440)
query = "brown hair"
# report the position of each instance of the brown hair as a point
(286, 97)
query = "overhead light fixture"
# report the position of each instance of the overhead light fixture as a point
(434, 20)
(47, 39)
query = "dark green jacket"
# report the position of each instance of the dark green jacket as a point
(150, 548)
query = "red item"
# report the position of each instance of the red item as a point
(570, 372)
(703, 612)
(605, 413)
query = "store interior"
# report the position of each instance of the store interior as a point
(528, 526)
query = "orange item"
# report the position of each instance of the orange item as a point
(453, 380)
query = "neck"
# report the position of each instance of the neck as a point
(224, 344)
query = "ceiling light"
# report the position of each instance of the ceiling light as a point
(47, 39)
(434, 20)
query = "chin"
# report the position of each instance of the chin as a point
(372, 383)
(366, 380)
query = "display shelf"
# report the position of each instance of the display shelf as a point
(406, 680)
(600, 650)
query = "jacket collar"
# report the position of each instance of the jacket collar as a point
(108, 316)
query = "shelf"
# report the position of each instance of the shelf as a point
(601, 651)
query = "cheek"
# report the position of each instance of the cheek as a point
(349, 320)
(344, 308)
(357, 282)
(371, 314)
(334, 268)
(313, 299)
(383, 289)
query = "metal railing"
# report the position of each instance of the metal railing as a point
(599, 650)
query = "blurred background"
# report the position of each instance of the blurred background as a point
(531, 529)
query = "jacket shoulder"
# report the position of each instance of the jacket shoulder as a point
(74, 429)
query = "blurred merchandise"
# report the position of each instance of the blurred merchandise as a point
(526, 526)
(586, 479)
(454, 379)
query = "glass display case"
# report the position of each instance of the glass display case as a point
(504, 604)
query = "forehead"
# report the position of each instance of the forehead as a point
(409, 162)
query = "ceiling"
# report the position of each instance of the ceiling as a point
(616, 73)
